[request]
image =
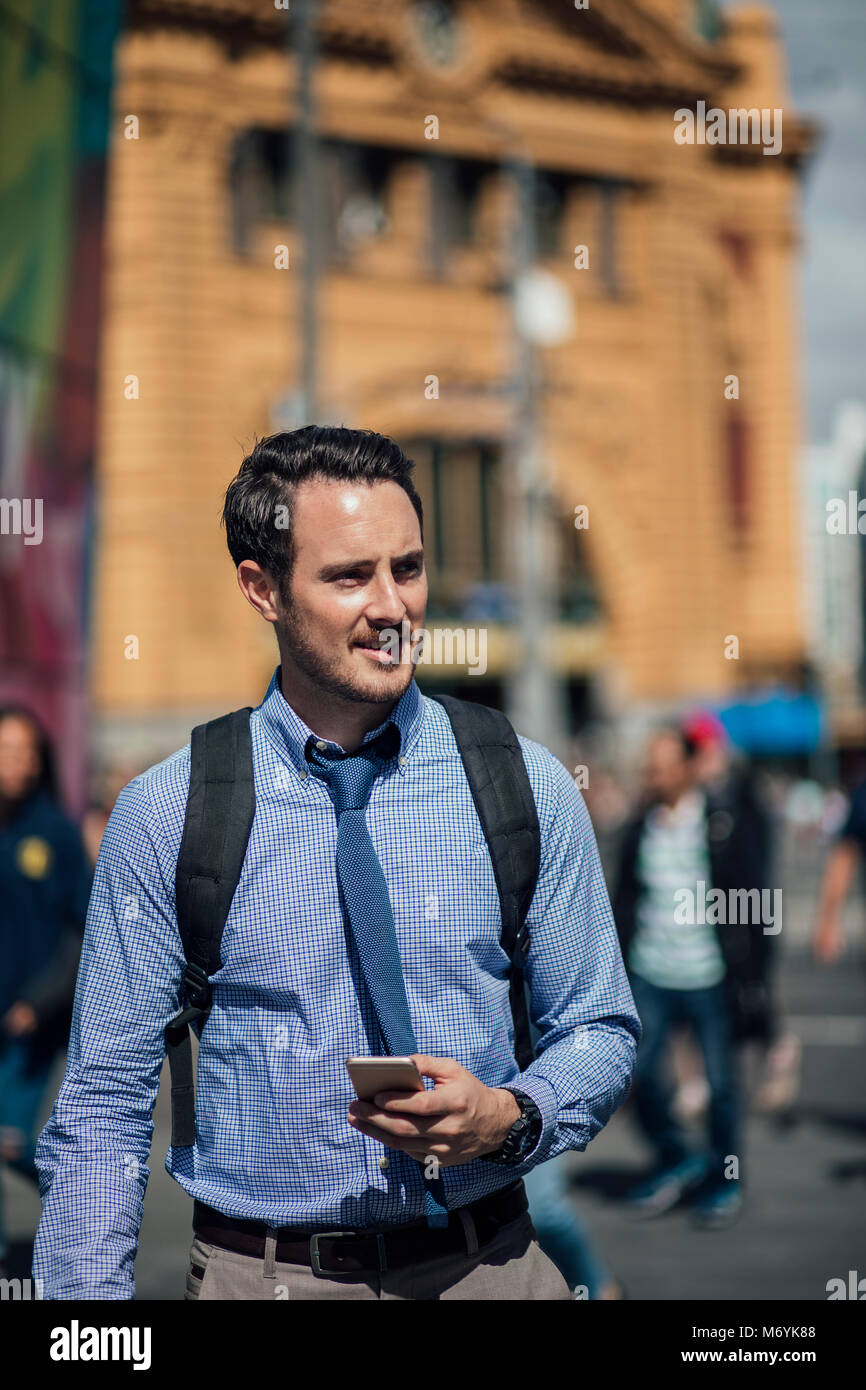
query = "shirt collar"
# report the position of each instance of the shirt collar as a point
(291, 735)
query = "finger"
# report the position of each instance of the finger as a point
(416, 1103)
(368, 1110)
(440, 1068)
(408, 1143)
(414, 1128)
(421, 1152)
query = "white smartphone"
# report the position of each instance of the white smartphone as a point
(370, 1075)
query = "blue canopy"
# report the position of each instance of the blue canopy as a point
(777, 721)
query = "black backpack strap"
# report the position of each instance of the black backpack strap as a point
(220, 808)
(506, 808)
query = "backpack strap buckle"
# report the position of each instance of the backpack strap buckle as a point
(521, 944)
(197, 986)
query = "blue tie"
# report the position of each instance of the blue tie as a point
(349, 779)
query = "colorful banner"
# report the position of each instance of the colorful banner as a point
(55, 89)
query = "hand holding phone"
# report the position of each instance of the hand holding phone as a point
(370, 1075)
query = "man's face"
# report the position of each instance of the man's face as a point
(668, 772)
(359, 571)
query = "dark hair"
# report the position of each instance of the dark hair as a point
(688, 744)
(47, 778)
(268, 477)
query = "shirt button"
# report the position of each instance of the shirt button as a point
(384, 1163)
(402, 762)
(320, 743)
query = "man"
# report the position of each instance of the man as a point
(684, 966)
(325, 528)
(730, 784)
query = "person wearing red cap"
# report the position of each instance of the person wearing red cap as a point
(729, 782)
(689, 967)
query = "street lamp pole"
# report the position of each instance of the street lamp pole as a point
(303, 143)
(534, 690)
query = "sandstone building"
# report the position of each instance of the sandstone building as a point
(687, 280)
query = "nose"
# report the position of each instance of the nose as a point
(386, 605)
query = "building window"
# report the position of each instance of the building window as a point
(551, 191)
(354, 192)
(738, 250)
(352, 186)
(577, 598)
(737, 473)
(460, 488)
(607, 249)
(260, 189)
(456, 190)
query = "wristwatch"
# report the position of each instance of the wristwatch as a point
(523, 1135)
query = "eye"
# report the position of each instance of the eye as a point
(350, 576)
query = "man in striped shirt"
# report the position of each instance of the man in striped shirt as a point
(675, 954)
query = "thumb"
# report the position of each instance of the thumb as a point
(440, 1068)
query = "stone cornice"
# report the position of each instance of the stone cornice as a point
(624, 54)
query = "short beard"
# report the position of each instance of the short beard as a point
(309, 658)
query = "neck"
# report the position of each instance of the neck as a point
(673, 802)
(339, 721)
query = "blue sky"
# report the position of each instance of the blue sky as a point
(826, 46)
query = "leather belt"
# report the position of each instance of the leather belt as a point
(351, 1251)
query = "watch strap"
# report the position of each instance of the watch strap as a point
(523, 1135)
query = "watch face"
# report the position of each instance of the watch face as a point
(438, 30)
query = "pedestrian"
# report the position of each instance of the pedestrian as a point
(733, 789)
(44, 888)
(109, 784)
(563, 1235)
(684, 967)
(366, 920)
(846, 855)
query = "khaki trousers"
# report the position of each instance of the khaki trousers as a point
(511, 1266)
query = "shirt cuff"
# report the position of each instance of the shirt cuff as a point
(542, 1093)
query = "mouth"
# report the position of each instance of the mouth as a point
(382, 655)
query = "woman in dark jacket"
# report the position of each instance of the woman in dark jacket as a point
(45, 879)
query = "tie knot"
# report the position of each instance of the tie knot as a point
(350, 778)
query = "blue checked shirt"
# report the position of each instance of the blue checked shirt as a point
(273, 1143)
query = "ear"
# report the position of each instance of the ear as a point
(258, 589)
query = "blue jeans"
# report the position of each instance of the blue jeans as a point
(24, 1074)
(706, 1011)
(561, 1234)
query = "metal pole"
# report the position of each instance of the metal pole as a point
(534, 691)
(304, 170)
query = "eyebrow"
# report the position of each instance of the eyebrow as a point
(331, 571)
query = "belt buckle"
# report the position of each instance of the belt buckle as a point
(316, 1263)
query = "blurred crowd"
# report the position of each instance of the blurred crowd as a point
(693, 812)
